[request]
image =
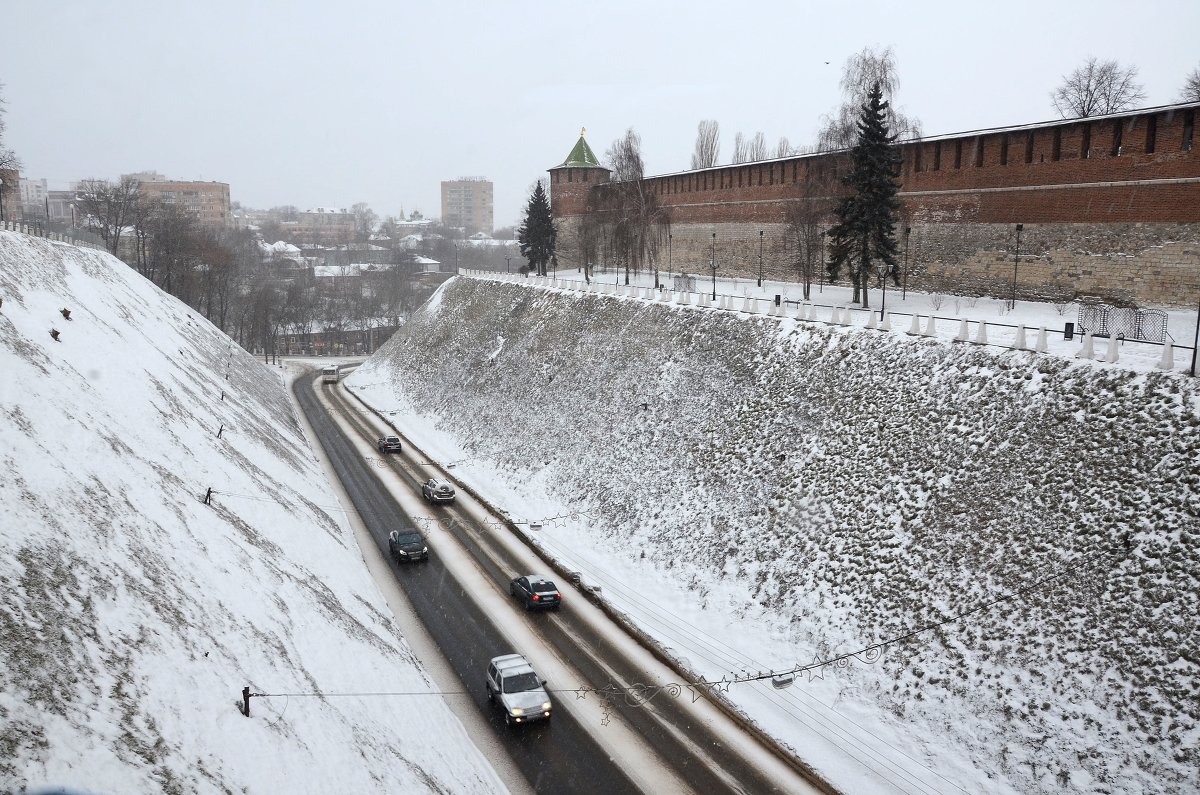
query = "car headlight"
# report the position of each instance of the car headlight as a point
(424, 549)
(546, 705)
(518, 711)
(402, 552)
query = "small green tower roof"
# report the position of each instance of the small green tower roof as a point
(581, 156)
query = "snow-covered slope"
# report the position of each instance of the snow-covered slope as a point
(760, 493)
(133, 614)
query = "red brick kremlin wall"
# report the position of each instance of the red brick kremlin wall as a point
(1110, 208)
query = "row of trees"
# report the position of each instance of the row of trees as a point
(1094, 88)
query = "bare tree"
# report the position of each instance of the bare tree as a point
(708, 145)
(9, 162)
(638, 223)
(109, 207)
(8, 158)
(757, 148)
(739, 149)
(807, 217)
(1097, 87)
(784, 147)
(365, 221)
(1191, 87)
(861, 72)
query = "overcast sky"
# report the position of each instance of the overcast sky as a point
(332, 103)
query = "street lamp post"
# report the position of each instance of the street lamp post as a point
(760, 264)
(713, 265)
(508, 264)
(456, 259)
(883, 302)
(670, 260)
(904, 290)
(1016, 259)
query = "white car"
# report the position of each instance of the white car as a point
(512, 681)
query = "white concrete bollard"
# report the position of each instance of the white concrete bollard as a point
(981, 336)
(886, 323)
(1019, 340)
(963, 332)
(836, 316)
(930, 327)
(1167, 362)
(1086, 351)
(1113, 353)
(871, 321)
(1041, 346)
(914, 328)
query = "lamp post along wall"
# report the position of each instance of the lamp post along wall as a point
(713, 265)
(1016, 259)
(760, 259)
(904, 289)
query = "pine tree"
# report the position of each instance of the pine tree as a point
(537, 235)
(866, 218)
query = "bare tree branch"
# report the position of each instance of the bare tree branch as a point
(1096, 88)
(1191, 87)
(708, 145)
(739, 149)
(757, 148)
(838, 130)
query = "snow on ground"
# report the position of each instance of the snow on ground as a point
(133, 613)
(762, 493)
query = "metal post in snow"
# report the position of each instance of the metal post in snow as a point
(1195, 343)
(904, 289)
(1016, 259)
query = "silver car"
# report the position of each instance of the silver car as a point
(512, 681)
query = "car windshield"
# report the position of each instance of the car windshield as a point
(409, 538)
(520, 683)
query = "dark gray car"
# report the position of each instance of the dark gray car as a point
(407, 545)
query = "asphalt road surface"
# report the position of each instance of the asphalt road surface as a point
(563, 755)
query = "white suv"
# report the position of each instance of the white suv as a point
(512, 680)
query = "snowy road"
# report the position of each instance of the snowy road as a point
(596, 743)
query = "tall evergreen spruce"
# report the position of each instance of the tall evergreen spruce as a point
(866, 218)
(537, 235)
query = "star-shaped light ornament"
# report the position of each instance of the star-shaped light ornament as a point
(817, 671)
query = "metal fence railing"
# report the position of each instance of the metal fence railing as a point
(973, 330)
(61, 233)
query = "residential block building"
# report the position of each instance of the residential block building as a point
(467, 203)
(207, 202)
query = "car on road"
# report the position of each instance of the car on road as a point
(434, 490)
(512, 681)
(389, 444)
(407, 545)
(536, 591)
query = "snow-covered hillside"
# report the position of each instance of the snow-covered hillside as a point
(133, 614)
(788, 491)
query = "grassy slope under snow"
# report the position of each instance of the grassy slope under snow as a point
(133, 614)
(897, 480)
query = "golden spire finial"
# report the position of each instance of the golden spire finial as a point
(582, 131)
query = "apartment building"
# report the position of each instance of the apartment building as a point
(207, 202)
(467, 203)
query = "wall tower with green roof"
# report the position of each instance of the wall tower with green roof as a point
(571, 199)
(572, 180)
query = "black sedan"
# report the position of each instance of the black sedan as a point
(536, 591)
